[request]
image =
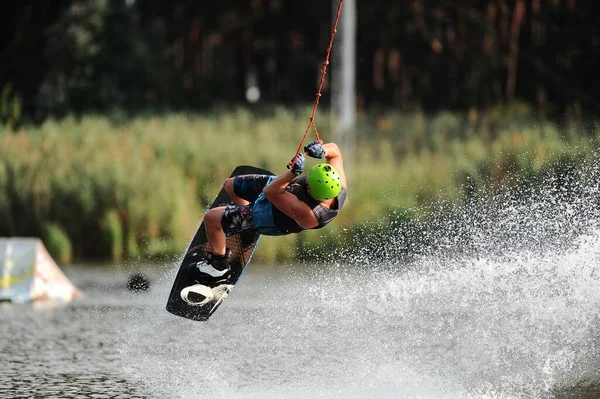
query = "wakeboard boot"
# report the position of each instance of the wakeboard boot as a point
(214, 269)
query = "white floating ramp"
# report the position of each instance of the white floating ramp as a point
(28, 273)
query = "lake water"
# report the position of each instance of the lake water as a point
(475, 330)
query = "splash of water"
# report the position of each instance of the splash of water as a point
(502, 302)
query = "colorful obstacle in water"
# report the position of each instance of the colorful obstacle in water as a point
(28, 273)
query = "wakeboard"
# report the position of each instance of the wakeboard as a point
(208, 296)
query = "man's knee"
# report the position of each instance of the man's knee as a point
(212, 218)
(228, 184)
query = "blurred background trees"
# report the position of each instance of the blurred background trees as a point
(77, 56)
(458, 98)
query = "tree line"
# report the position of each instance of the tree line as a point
(61, 57)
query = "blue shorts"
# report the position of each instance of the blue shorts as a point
(258, 215)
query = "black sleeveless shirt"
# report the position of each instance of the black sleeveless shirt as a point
(299, 187)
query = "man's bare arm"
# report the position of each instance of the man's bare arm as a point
(288, 203)
(334, 158)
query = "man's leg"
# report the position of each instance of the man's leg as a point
(224, 221)
(230, 190)
(236, 218)
(214, 230)
(221, 222)
(217, 264)
(245, 189)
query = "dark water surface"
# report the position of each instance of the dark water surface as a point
(69, 350)
(477, 329)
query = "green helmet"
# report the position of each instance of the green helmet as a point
(324, 182)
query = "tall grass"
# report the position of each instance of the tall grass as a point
(140, 188)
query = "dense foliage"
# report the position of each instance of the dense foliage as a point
(95, 189)
(64, 57)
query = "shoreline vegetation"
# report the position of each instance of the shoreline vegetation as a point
(96, 189)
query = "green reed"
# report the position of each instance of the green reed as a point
(95, 189)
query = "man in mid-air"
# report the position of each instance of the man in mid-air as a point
(276, 205)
